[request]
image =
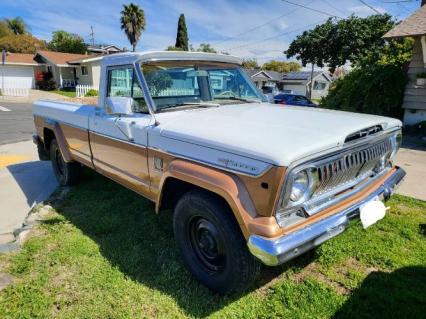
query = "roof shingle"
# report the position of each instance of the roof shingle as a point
(21, 58)
(414, 25)
(60, 57)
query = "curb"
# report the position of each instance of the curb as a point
(12, 242)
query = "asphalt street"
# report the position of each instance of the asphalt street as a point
(16, 122)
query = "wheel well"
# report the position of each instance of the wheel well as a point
(48, 136)
(174, 189)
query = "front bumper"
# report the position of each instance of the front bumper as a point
(278, 251)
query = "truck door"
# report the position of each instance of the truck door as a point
(119, 142)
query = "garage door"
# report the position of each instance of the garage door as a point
(18, 77)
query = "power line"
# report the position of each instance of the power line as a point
(370, 6)
(275, 36)
(258, 26)
(312, 9)
(334, 7)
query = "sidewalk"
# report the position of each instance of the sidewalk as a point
(24, 182)
(414, 163)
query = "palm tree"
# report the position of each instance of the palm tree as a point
(133, 23)
(16, 25)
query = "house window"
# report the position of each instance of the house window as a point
(319, 86)
(84, 70)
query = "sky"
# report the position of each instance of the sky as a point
(245, 28)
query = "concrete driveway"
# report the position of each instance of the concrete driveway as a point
(413, 161)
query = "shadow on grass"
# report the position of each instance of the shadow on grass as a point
(399, 294)
(141, 243)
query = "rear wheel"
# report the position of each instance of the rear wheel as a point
(211, 243)
(67, 174)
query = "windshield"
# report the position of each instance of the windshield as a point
(190, 84)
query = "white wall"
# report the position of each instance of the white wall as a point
(17, 76)
(296, 88)
(93, 76)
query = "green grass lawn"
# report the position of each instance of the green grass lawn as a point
(65, 92)
(103, 253)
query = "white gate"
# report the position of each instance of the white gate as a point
(81, 90)
(14, 87)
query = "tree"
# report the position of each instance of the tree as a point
(173, 48)
(182, 34)
(250, 64)
(16, 25)
(22, 43)
(133, 23)
(281, 66)
(377, 89)
(336, 42)
(205, 47)
(63, 41)
(4, 29)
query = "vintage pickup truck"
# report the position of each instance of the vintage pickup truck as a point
(248, 181)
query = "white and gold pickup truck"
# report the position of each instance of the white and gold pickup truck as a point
(249, 182)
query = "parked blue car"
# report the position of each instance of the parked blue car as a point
(293, 99)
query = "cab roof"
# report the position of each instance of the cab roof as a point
(131, 57)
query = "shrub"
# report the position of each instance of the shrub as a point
(421, 75)
(45, 81)
(377, 89)
(92, 92)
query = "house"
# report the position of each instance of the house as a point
(67, 69)
(104, 49)
(19, 70)
(264, 78)
(414, 102)
(300, 83)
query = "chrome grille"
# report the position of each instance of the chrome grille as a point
(350, 167)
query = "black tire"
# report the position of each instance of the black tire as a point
(211, 243)
(67, 174)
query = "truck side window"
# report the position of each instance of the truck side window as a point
(122, 82)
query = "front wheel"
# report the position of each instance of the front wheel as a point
(211, 243)
(67, 174)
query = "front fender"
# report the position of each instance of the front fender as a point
(229, 187)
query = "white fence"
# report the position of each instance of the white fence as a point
(14, 87)
(176, 92)
(81, 90)
(15, 91)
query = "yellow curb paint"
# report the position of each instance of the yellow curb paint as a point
(6, 160)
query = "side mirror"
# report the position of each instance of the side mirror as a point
(119, 105)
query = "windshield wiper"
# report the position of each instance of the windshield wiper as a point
(236, 98)
(182, 105)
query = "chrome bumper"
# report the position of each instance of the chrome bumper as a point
(278, 251)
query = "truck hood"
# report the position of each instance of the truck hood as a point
(270, 133)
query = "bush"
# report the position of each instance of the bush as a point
(421, 75)
(45, 81)
(377, 89)
(92, 92)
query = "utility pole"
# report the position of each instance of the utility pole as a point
(92, 36)
(3, 61)
(312, 81)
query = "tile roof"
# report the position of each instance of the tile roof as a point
(21, 58)
(415, 24)
(60, 57)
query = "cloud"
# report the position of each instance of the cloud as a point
(246, 28)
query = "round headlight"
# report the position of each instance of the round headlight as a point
(300, 186)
